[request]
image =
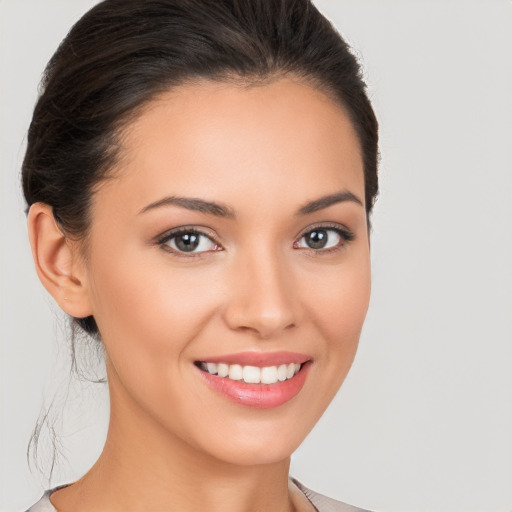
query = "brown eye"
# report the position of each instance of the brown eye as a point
(317, 239)
(189, 242)
(323, 238)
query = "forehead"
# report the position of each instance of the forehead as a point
(225, 139)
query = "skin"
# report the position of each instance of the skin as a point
(173, 442)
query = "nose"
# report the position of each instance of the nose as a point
(261, 296)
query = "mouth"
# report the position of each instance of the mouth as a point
(260, 384)
(251, 374)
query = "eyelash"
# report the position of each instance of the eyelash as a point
(181, 231)
(345, 235)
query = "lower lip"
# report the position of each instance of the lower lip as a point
(260, 396)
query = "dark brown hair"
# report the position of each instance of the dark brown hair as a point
(123, 53)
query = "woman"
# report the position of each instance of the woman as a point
(200, 177)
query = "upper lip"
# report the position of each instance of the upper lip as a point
(260, 359)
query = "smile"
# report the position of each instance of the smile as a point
(256, 380)
(251, 374)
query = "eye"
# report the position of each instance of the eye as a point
(189, 241)
(323, 238)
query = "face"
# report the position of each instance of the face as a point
(233, 240)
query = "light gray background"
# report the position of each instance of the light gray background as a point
(424, 420)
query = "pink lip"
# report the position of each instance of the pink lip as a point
(260, 359)
(260, 396)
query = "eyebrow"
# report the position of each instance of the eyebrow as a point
(195, 204)
(221, 210)
(326, 201)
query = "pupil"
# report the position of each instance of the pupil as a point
(187, 242)
(317, 239)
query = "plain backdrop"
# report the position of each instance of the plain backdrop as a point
(424, 420)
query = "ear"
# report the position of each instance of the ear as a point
(58, 263)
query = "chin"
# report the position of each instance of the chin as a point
(257, 444)
(257, 453)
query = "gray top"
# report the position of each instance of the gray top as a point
(320, 502)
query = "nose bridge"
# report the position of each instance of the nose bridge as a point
(262, 297)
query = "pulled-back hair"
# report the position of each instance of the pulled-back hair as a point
(123, 53)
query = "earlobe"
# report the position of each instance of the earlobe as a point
(57, 263)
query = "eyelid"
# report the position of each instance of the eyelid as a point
(162, 239)
(346, 235)
(340, 228)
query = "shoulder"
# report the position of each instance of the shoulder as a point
(323, 503)
(44, 504)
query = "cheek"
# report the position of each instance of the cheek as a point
(336, 309)
(147, 307)
(340, 302)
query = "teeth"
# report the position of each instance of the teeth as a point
(269, 375)
(222, 370)
(253, 374)
(211, 367)
(235, 372)
(281, 372)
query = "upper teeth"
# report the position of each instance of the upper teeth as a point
(253, 374)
